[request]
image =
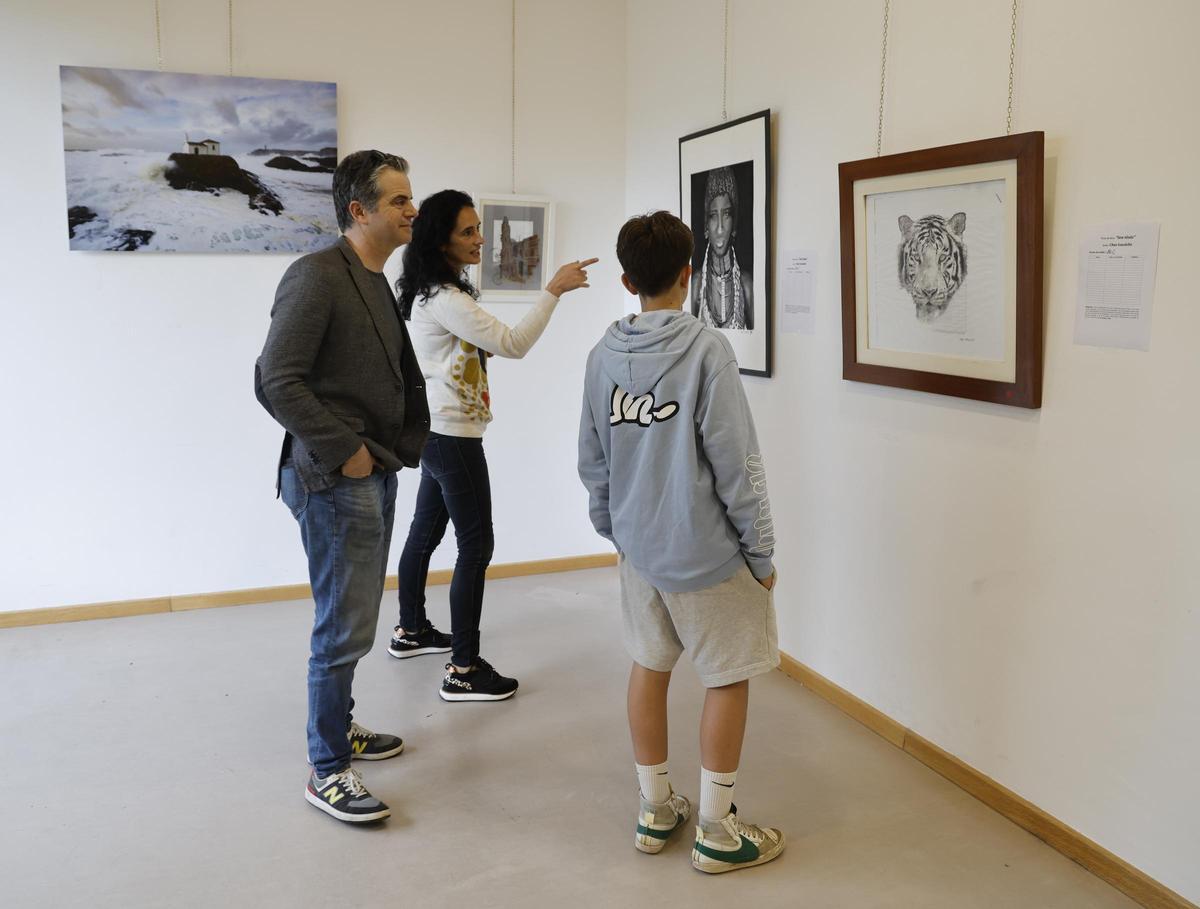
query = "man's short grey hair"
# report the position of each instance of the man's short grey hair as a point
(357, 177)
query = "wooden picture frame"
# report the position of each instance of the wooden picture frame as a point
(736, 299)
(942, 270)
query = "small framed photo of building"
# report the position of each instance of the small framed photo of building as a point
(725, 197)
(518, 247)
(942, 270)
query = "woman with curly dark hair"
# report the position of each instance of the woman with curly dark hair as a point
(453, 337)
(722, 293)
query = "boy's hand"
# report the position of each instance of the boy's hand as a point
(769, 583)
(571, 276)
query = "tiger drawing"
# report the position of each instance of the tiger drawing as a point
(933, 261)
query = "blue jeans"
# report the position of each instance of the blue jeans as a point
(347, 531)
(454, 487)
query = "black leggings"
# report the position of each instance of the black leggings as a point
(454, 487)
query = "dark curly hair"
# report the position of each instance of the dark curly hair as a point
(425, 264)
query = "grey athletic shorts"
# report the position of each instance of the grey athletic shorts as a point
(728, 630)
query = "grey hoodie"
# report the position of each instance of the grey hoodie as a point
(669, 456)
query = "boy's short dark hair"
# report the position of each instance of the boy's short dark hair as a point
(357, 177)
(653, 249)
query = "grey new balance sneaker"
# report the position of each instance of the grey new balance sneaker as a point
(656, 823)
(366, 745)
(730, 844)
(343, 796)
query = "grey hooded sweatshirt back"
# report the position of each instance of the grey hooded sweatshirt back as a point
(669, 455)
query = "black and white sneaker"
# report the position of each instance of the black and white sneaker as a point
(427, 640)
(481, 683)
(343, 796)
(366, 745)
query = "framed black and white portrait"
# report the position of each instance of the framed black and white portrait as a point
(518, 247)
(942, 270)
(725, 197)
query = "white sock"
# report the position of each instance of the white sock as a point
(654, 782)
(716, 794)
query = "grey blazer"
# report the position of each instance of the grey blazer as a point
(337, 369)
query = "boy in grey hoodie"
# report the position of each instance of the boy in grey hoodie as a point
(669, 456)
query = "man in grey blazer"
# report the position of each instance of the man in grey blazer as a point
(339, 374)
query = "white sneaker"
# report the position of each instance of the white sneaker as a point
(656, 822)
(730, 844)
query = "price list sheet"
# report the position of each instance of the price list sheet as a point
(1117, 264)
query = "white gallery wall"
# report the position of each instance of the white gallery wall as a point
(138, 462)
(1018, 587)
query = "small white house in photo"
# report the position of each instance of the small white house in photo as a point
(203, 147)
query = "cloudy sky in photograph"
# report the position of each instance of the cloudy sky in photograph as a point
(152, 111)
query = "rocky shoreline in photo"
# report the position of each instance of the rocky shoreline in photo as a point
(126, 200)
(285, 162)
(127, 240)
(210, 173)
(327, 152)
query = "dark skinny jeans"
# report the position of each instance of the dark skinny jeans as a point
(454, 487)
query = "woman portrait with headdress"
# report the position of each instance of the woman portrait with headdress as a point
(722, 284)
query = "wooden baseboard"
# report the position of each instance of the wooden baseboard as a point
(240, 597)
(1135, 884)
(55, 614)
(84, 612)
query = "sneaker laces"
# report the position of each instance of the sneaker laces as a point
(756, 835)
(361, 732)
(484, 666)
(351, 780)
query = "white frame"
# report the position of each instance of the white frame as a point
(485, 204)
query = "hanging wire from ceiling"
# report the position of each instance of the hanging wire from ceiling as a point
(725, 70)
(231, 37)
(1012, 60)
(158, 35)
(513, 99)
(887, 8)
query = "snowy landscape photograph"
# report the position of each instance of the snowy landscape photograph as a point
(176, 162)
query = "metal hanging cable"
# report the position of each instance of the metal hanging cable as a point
(882, 78)
(725, 70)
(513, 99)
(231, 37)
(158, 35)
(1012, 60)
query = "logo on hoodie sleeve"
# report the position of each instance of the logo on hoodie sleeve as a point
(639, 410)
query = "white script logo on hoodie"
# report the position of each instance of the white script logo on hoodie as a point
(640, 410)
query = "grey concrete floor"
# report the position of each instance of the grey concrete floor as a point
(159, 761)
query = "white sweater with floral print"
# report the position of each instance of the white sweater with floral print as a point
(450, 332)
